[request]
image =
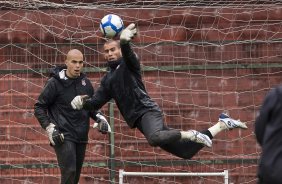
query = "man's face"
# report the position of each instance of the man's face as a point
(74, 64)
(112, 51)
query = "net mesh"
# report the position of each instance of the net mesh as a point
(199, 58)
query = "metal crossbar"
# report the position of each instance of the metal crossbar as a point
(124, 173)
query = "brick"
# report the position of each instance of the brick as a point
(190, 99)
(19, 100)
(60, 26)
(18, 116)
(162, 55)
(21, 132)
(28, 86)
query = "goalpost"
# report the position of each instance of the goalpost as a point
(123, 173)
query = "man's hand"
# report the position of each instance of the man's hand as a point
(128, 33)
(78, 101)
(55, 137)
(102, 124)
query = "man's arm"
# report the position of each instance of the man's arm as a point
(100, 98)
(128, 54)
(97, 101)
(45, 99)
(264, 116)
(130, 57)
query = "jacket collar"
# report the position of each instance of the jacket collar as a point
(114, 64)
(59, 73)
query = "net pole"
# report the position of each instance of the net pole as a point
(112, 143)
(121, 176)
(226, 178)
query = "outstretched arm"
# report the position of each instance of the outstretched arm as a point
(128, 54)
(100, 98)
(97, 101)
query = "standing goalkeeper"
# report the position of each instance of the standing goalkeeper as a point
(66, 128)
(123, 83)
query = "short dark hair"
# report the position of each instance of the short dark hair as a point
(111, 41)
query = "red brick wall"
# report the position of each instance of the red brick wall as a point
(208, 36)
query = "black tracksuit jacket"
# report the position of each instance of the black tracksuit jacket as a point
(268, 130)
(123, 83)
(54, 106)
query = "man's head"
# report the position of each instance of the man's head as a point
(112, 51)
(74, 62)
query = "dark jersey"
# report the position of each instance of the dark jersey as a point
(54, 106)
(268, 130)
(124, 84)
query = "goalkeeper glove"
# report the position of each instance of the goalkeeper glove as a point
(55, 137)
(78, 101)
(128, 33)
(102, 124)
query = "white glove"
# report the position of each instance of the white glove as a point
(102, 124)
(55, 137)
(128, 33)
(78, 101)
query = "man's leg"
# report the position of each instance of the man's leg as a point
(185, 149)
(66, 156)
(152, 126)
(184, 144)
(80, 154)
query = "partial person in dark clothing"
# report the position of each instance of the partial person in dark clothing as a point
(67, 129)
(123, 83)
(268, 131)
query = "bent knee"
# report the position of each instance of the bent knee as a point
(155, 140)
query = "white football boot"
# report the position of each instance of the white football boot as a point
(231, 123)
(198, 137)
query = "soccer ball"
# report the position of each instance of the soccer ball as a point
(111, 25)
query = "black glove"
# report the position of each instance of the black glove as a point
(102, 124)
(55, 137)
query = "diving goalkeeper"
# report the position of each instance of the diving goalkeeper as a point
(123, 83)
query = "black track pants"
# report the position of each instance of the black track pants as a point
(70, 158)
(151, 124)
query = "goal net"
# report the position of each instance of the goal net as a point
(199, 58)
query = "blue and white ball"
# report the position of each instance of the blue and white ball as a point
(111, 25)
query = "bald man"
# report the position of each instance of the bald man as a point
(67, 129)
